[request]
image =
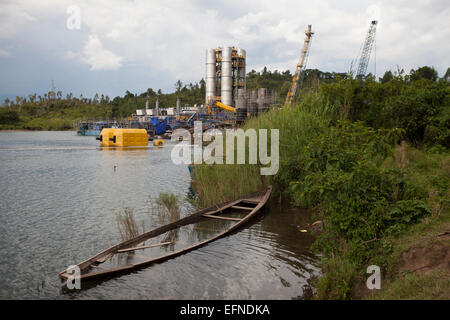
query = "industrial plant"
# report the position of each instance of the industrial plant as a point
(227, 100)
(226, 86)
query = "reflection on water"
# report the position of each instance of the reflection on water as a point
(57, 200)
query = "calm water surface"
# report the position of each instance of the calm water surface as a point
(59, 194)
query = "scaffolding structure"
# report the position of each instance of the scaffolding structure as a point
(259, 100)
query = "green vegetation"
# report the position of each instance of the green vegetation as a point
(371, 158)
(165, 208)
(220, 183)
(416, 286)
(126, 224)
(339, 280)
(281, 81)
(52, 111)
(170, 202)
(341, 154)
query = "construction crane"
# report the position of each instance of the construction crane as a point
(301, 66)
(366, 51)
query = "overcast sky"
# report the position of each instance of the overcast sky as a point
(134, 45)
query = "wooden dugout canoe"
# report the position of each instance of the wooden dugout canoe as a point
(249, 206)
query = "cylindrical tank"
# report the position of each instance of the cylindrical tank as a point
(242, 55)
(241, 106)
(227, 82)
(210, 73)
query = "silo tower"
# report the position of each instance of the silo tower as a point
(225, 74)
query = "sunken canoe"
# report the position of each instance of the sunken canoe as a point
(249, 206)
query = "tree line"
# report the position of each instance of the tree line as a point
(54, 110)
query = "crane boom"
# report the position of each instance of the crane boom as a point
(366, 50)
(300, 66)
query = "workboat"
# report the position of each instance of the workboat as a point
(89, 128)
(122, 258)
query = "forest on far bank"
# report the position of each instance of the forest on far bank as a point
(58, 111)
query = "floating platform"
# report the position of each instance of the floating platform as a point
(112, 137)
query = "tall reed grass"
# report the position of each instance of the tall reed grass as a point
(165, 208)
(126, 224)
(218, 183)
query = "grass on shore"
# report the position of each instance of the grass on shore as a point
(418, 286)
(218, 183)
(369, 194)
(429, 174)
(53, 124)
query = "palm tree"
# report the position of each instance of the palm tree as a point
(32, 97)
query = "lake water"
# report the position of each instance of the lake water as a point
(59, 194)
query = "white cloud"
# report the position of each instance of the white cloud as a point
(13, 16)
(169, 38)
(3, 53)
(98, 57)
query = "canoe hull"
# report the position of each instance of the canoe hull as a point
(197, 216)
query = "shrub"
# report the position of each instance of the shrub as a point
(339, 279)
(360, 202)
(8, 116)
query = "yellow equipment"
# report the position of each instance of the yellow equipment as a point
(159, 143)
(104, 137)
(123, 137)
(216, 103)
(300, 66)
